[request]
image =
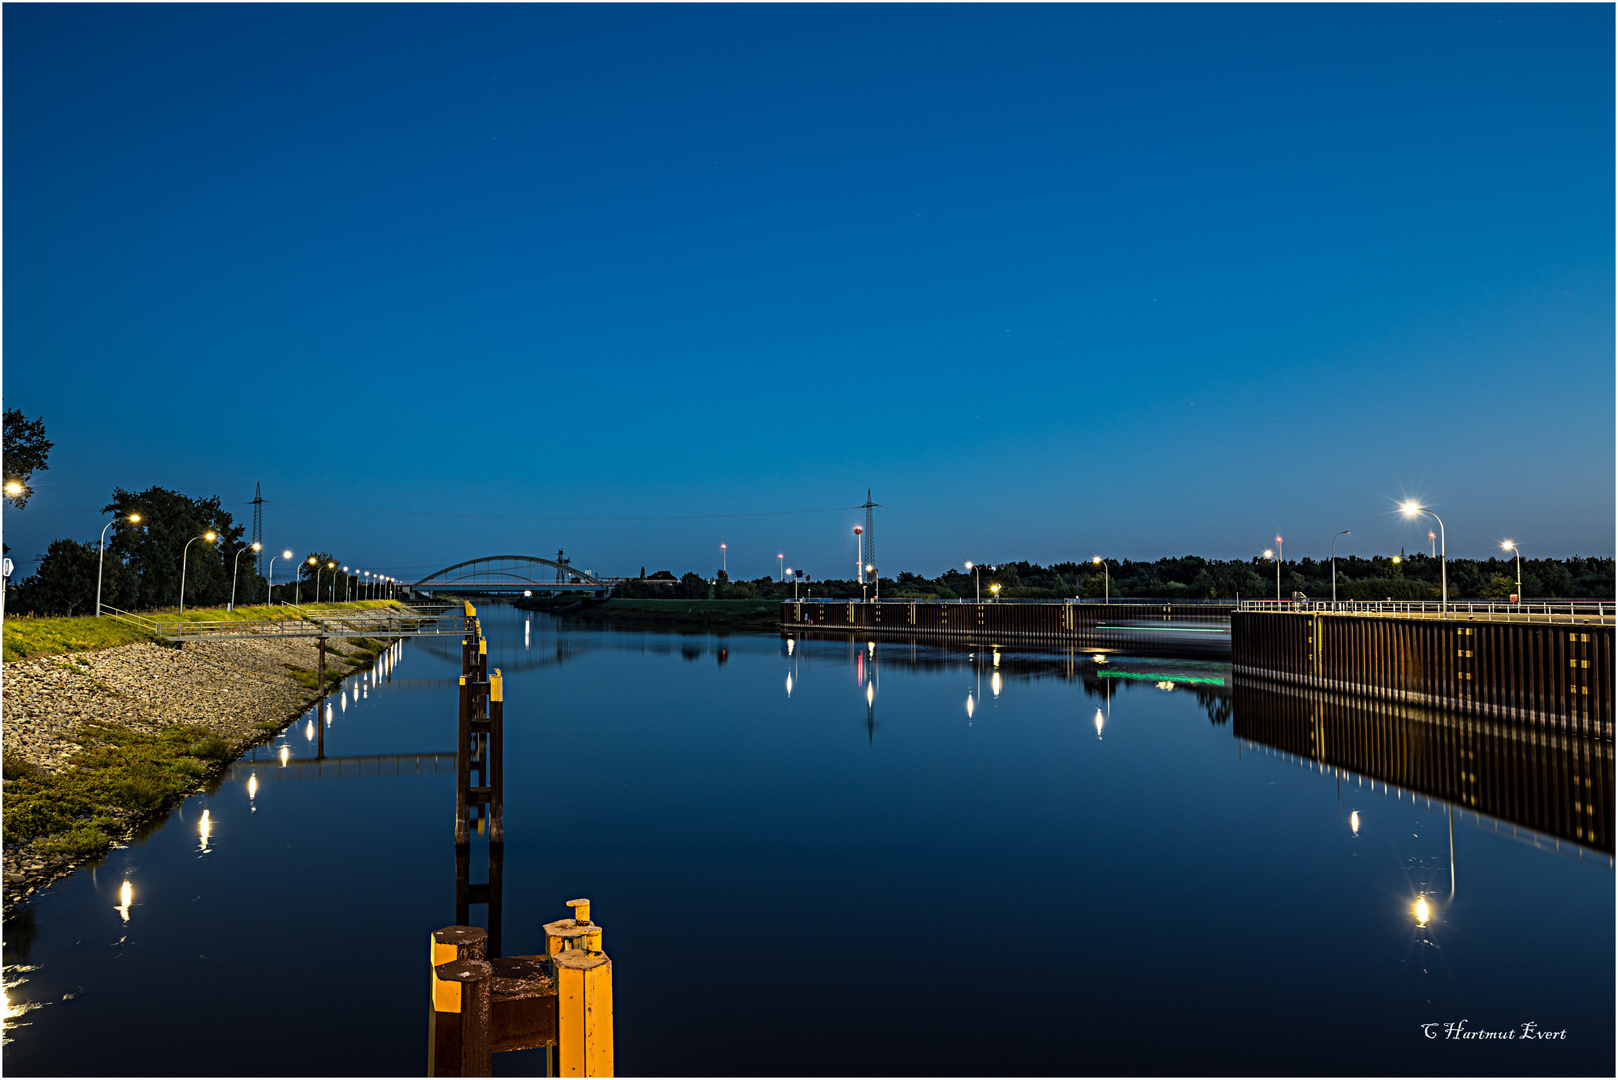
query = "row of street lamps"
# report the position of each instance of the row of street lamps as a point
(371, 583)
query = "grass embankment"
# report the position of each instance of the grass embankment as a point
(750, 614)
(120, 777)
(53, 635)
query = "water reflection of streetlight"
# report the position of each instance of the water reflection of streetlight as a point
(252, 787)
(1354, 822)
(970, 705)
(789, 684)
(205, 828)
(994, 684)
(309, 731)
(1101, 722)
(126, 895)
(1423, 912)
(286, 752)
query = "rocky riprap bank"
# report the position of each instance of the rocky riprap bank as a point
(242, 691)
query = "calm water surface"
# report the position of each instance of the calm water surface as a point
(842, 859)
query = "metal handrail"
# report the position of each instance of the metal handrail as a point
(1133, 601)
(1522, 611)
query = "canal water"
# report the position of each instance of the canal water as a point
(834, 857)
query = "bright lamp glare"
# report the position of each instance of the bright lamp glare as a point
(1410, 508)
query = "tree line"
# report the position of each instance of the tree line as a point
(1190, 577)
(144, 560)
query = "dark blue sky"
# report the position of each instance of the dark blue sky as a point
(1049, 280)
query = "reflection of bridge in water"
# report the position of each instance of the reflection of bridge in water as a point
(1555, 785)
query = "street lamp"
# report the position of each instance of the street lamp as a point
(269, 590)
(348, 585)
(236, 566)
(1412, 508)
(870, 573)
(1334, 567)
(782, 559)
(14, 488)
(1511, 546)
(977, 586)
(1280, 557)
(333, 568)
(185, 553)
(994, 591)
(1268, 554)
(724, 563)
(135, 518)
(859, 558)
(1106, 579)
(297, 590)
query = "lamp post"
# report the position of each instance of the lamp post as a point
(348, 585)
(333, 568)
(134, 519)
(1511, 546)
(724, 563)
(297, 589)
(1106, 580)
(269, 591)
(184, 555)
(1412, 508)
(859, 558)
(782, 559)
(236, 565)
(1334, 567)
(870, 573)
(994, 591)
(1280, 557)
(1268, 554)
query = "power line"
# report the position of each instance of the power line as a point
(554, 517)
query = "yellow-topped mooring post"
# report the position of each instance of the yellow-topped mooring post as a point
(497, 755)
(458, 1027)
(583, 994)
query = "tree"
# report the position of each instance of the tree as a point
(65, 583)
(691, 587)
(156, 548)
(26, 451)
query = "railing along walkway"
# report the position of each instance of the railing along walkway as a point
(1592, 612)
(310, 622)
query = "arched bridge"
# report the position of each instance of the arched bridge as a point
(511, 575)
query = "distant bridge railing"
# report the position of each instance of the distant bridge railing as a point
(1557, 611)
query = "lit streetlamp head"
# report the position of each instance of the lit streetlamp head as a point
(1096, 560)
(331, 566)
(1397, 560)
(13, 487)
(313, 560)
(969, 566)
(858, 529)
(210, 536)
(1268, 554)
(995, 588)
(257, 546)
(134, 519)
(286, 554)
(1507, 545)
(1410, 508)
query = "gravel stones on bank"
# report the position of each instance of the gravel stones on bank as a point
(232, 688)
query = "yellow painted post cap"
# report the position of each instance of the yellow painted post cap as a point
(581, 911)
(497, 686)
